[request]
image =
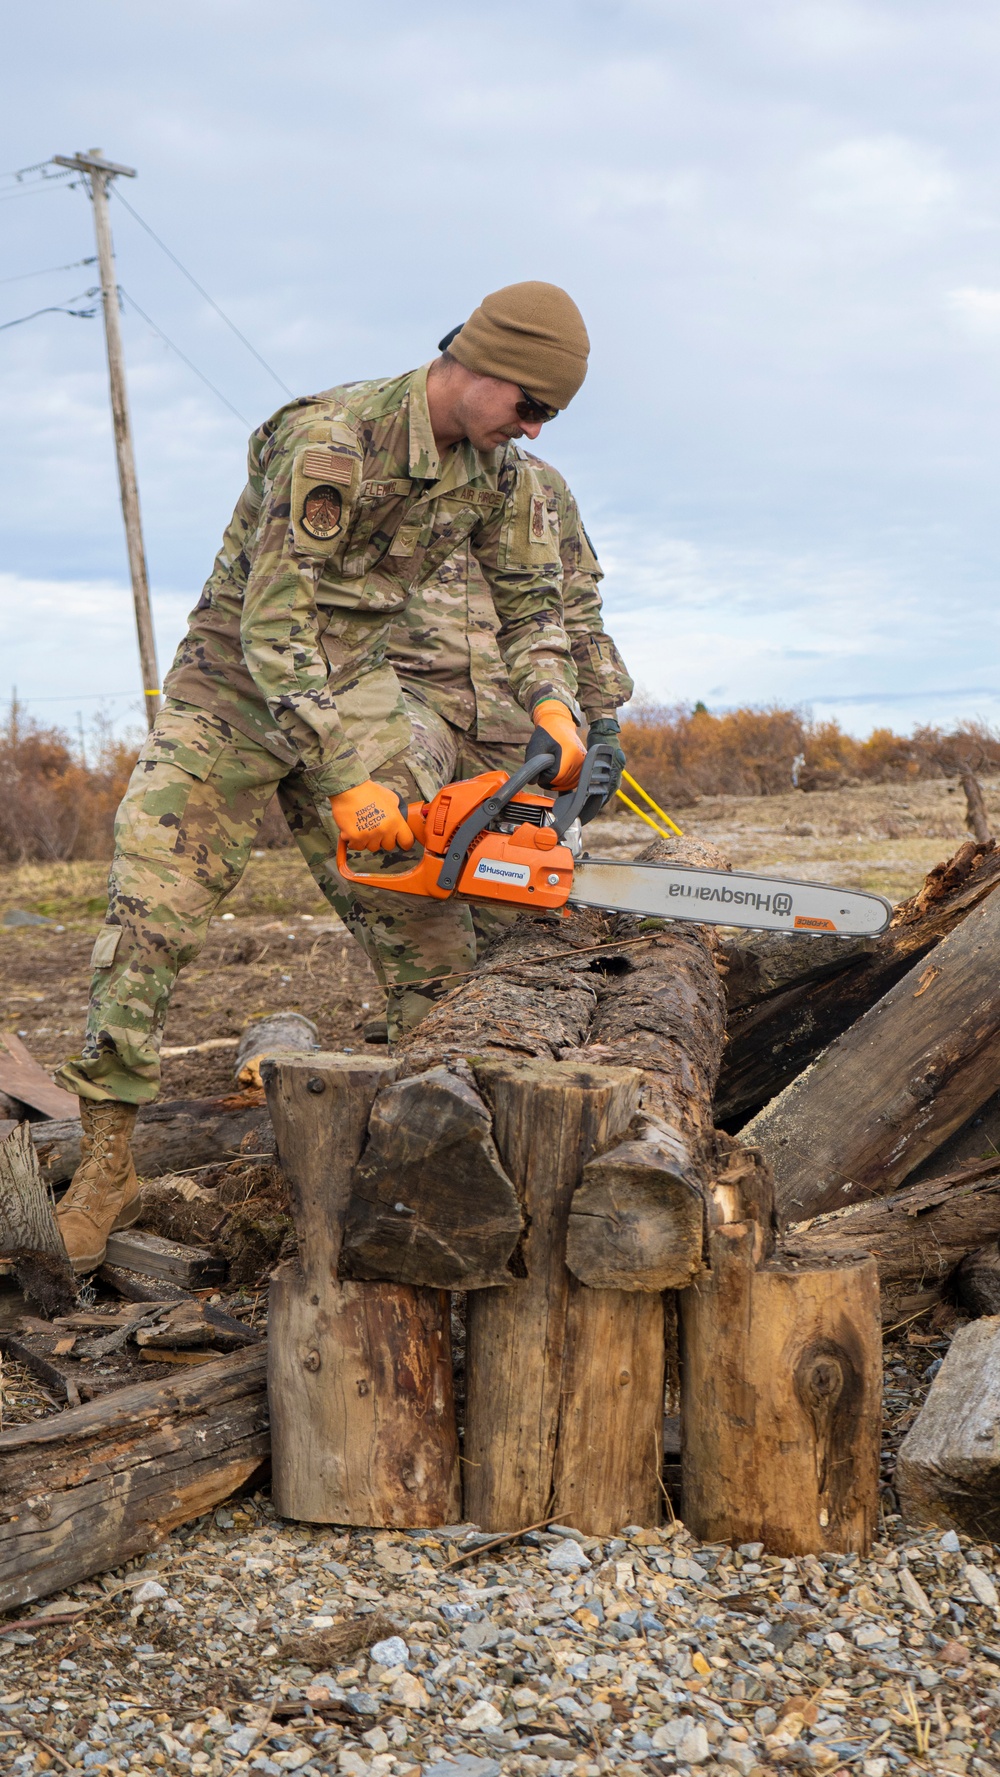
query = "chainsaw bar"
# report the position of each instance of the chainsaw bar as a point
(727, 898)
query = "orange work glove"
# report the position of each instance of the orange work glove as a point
(371, 818)
(555, 731)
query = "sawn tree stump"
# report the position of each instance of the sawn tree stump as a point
(564, 1384)
(781, 1399)
(359, 1374)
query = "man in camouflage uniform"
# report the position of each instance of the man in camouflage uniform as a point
(354, 498)
(465, 720)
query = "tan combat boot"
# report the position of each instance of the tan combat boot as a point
(104, 1194)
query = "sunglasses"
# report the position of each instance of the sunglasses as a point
(534, 411)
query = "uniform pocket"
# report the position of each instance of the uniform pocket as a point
(190, 739)
(105, 947)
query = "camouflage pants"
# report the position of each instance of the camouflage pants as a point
(412, 942)
(183, 836)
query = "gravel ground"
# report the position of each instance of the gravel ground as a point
(235, 1648)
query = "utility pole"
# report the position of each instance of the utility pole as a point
(100, 171)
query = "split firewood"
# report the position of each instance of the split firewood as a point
(29, 1232)
(91, 1488)
(917, 1236)
(889, 1091)
(772, 1039)
(948, 1467)
(174, 1135)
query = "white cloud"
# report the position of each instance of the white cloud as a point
(880, 181)
(978, 310)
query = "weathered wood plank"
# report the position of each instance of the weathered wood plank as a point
(93, 1487)
(894, 1086)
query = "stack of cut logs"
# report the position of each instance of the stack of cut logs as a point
(801, 1137)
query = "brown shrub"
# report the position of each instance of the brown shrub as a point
(54, 805)
(681, 753)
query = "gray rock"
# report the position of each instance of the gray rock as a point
(567, 1558)
(479, 1635)
(465, 1765)
(18, 916)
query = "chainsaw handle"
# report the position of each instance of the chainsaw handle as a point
(411, 882)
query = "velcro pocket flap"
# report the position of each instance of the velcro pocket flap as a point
(105, 947)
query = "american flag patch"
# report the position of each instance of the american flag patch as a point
(328, 465)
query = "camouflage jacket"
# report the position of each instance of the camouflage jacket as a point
(444, 648)
(349, 508)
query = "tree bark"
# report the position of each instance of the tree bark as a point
(359, 1374)
(280, 1033)
(977, 1278)
(557, 1373)
(531, 995)
(781, 1400)
(948, 1467)
(917, 1236)
(430, 1202)
(773, 1040)
(29, 1232)
(93, 1487)
(893, 1087)
(637, 1219)
(174, 1135)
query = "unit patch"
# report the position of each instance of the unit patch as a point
(539, 527)
(321, 512)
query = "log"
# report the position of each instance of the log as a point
(637, 1219)
(773, 1040)
(174, 1135)
(977, 1278)
(359, 1374)
(189, 1267)
(29, 1232)
(948, 1466)
(893, 1087)
(531, 995)
(279, 1033)
(95, 1486)
(756, 965)
(917, 1236)
(780, 1400)
(430, 1201)
(978, 1138)
(564, 1385)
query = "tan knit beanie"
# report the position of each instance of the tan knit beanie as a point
(530, 334)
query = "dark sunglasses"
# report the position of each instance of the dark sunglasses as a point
(534, 411)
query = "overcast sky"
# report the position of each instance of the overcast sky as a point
(781, 221)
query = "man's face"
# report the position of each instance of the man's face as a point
(489, 413)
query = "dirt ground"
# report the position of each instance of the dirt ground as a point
(278, 946)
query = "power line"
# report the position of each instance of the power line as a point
(183, 355)
(36, 189)
(202, 292)
(78, 314)
(47, 269)
(40, 166)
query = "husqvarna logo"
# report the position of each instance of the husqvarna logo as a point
(492, 870)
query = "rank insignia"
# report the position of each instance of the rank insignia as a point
(321, 512)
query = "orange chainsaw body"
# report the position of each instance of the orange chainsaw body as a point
(525, 867)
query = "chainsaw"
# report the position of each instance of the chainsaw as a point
(491, 838)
